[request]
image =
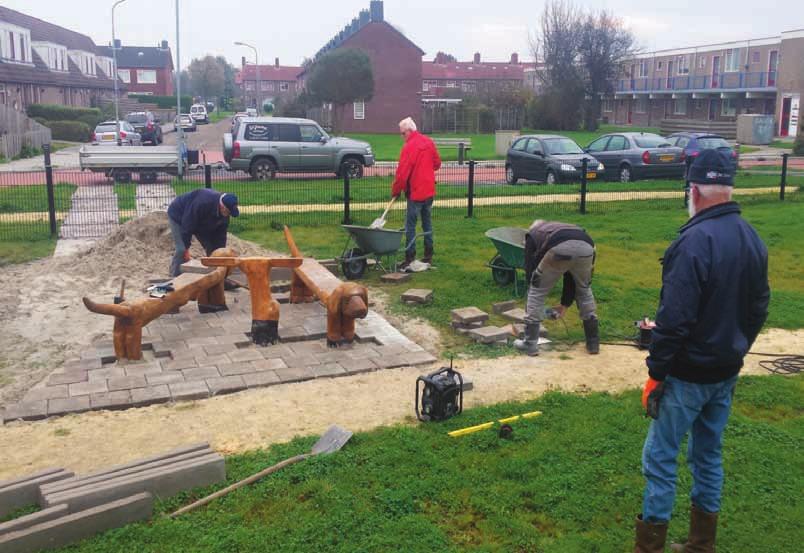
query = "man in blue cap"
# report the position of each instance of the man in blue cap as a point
(713, 303)
(203, 213)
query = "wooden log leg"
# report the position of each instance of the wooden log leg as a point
(348, 329)
(266, 331)
(299, 292)
(119, 338)
(334, 333)
(134, 341)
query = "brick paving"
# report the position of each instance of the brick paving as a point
(190, 356)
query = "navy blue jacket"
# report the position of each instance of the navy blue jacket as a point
(198, 213)
(714, 298)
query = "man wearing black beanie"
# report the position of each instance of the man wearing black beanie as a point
(713, 303)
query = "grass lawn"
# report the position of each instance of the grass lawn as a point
(784, 144)
(566, 482)
(20, 250)
(749, 149)
(216, 115)
(387, 146)
(630, 238)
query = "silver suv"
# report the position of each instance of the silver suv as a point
(263, 146)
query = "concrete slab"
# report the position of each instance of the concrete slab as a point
(58, 407)
(25, 410)
(516, 315)
(161, 482)
(417, 295)
(396, 278)
(490, 334)
(23, 492)
(468, 315)
(182, 391)
(79, 525)
(150, 395)
(226, 385)
(502, 306)
(21, 523)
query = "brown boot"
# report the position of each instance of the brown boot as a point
(703, 528)
(650, 538)
(428, 255)
(410, 257)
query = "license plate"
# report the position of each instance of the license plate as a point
(666, 158)
(591, 175)
(107, 137)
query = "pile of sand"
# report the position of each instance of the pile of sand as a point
(43, 319)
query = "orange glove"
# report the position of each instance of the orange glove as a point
(186, 256)
(651, 394)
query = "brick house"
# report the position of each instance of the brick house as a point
(396, 63)
(715, 82)
(43, 63)
(144, 69)
(441, 76)
(275, 81)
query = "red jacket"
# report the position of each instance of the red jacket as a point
(415, 174)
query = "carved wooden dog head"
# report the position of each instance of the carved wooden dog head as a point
(354, 300)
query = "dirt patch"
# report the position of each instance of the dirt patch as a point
(418, 330)
(258, 418)
(43, 319)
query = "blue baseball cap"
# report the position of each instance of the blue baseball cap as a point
(712, 167)
(230, 201)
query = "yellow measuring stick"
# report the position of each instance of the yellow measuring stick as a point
(487, 425)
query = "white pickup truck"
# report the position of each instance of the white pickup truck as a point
(119, 162)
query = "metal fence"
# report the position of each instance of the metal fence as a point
(73, 204)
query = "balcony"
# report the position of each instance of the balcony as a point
(719, 82)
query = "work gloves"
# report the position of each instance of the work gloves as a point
(651, 395)
(186, 256)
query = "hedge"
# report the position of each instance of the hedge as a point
(72, 131)
(164, 102)
(798, 146)
(55, 112)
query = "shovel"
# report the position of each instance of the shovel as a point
(380, 222)
(331, 441)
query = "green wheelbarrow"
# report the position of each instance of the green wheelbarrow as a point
(378, 243)
(510, 256)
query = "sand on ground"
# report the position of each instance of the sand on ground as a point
(258, 418)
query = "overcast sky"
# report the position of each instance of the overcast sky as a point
(294, 29)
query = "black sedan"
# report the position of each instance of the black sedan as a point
(550, 159)
(630, 156)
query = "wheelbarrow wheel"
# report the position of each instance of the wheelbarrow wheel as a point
(354, 264)
(501, 272)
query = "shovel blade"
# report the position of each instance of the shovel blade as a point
(331, 441)
(378, 223)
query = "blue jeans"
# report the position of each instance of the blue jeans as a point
(178, 255)
(702, 410)
(425, 209)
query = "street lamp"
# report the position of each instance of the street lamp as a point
(179, 130)
(115, 77)
(257, 65)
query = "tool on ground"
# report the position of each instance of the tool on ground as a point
(487, 425)
(551, 313)
(380, 221)
(121, 297)
(331, 441)
(439, 395)
(645, 327)
(506, 431)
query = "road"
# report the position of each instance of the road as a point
(208, 139)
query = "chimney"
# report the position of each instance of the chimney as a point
(243, 62)
(477, 57)
(376, 11)
(276, 63)
(364, 18)
(515, 58)
(164, 45)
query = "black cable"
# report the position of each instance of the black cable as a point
(783, 363)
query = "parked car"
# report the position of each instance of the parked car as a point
(199, 113)
(186, 123)
(263, 146)
(251, 112)
(147, 125)
(548, 158)
(238, 116)
(630, 156)
(105, 133)
(694, 142)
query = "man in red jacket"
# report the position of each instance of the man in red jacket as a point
(415, 175)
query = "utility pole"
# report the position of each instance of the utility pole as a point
(179, 130)
(257, 67)
(115, 77)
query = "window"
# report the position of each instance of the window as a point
(267, 86)
(427, 85)
(520, 144)
(732, 60)
(468, 86)
(562, 146)
(125, 75)
(534, 147)
(616, 143)
(261, 132)
(682, 142)
(146, 76)
(659, 65)
(728, 107)
(680, 106)
(284, 87)
(598, 145)
(359, 110)
(683, 63)
(643, 68)
(651, 141)
(608, 105)
(310, 133)
(702, 62)
(755, 57)
(452, 84)
(642, 104)
(289, 133)
(250, 86)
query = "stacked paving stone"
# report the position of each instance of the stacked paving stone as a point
(77, 507)
(416, 296)
(472, 321)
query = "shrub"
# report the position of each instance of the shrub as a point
(164, 102)
(54, 112)
(798, 146)
(72, 131)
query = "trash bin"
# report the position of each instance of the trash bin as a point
(503, 141)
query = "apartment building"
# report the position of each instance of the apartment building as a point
(442, 77)
(275, 81)
(714, 82)
(44, 63)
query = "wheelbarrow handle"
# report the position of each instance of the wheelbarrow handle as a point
(415, 237)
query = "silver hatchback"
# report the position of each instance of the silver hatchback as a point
(630, 156)
(105, 133)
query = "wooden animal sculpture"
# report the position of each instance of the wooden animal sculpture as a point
(130, 316)
(345, 301)
(264, 308)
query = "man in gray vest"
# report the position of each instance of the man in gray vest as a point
(554, 250)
